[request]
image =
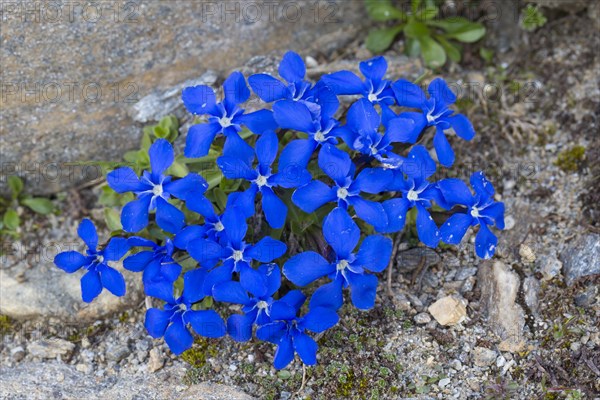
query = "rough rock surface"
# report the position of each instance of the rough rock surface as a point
(582, 258)
(448, 310)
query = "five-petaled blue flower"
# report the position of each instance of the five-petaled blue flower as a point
(346, 191)
(153, 191)
(99, 274)
(435, 112)
(263, 180)
(374, 88)
(172, 321)
(288, 332)
(225, 117)
(160, 269)
(482, 210)
(346, 268)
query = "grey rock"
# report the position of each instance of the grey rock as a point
(582, 258)
(410, 259)
(499, 290)
(464, 273)
(422, 318)
(549, 266)
(17, 353)
(588, 297)
(531, 288)
(50, 348)
(483, 357)
(116, 352)
(156, 361)
(213, 391)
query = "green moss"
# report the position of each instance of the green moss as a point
(124, 317)
(570, 160)
(5, 324)
(199, 353)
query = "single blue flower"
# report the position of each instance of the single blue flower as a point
(289, 332)
(225, 117)
(346, 268)
(153, 190)
(263, 180)
(435, 112)
(99, 274)
(293, 71)
(172, 321)
(347, 189)
(314, 117)
(374, 88)
(235, 255)
(481, 210)
(411, 180)
(159, 268)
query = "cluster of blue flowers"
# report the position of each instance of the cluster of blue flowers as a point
(363, 179)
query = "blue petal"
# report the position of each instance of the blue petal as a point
(408, 94)
(161, 156)
(294, 115)
(178, 337)
(156, 322)
(267, 249)
(206, 252)
(372, 180)
(344, 82)
(362, 117)
(481, 185)
(404, 130)
(181, 188)
(266, 148)
(274, 208)
(70, 261)
(272, 332)
(202, 206)
(395, 209)
(242, 202)
(206, 323)
(455, 227)
(193, 283)
(187, 234)
(91, 286)
(237, 147)
(319, 319)
(369, 211)
(124, 179)
(341, 232)
(485, 242)
(169, 217)
(239, 327)
(462, 126)
(439, 90)
(252, 280)
(293, 160)
(116, 248)
(217, 276)
(137, 241)
(113, 281)
(284, 353)
(162, 289)
(292, 67)
(280, 310)
(496, 212)
(427, 230)
(374, 253)
(235, 227)
(306, 267)
(313, 195)
(259, 121)
(327, 100)
(268, 88)
(329, 295)
(306, 348)
(199, 139)
(419, 163)
(363, 289)
(230, 292)
(444, 151)
(335, 163)
(199, 100)
(294, 298)
(87, 233)
(235, 90)
(134, 216)
(374, 68)
(455, 191)
(272, 276)
(234, 168)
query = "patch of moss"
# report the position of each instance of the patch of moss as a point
(570, 160)
(5, 324)
(199, 353)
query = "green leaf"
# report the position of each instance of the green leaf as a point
(15, 185)
(433, 54)
(486, 54)
(160, 132)
(412, 47)
(416, 30)
(39, 205)
(460, 29)
(381, 39)
(451, 49)
(11, 219)
(113, 219)
(178, 168)
(146, 141)
(414, 5)
(383, 10)
(429, 12)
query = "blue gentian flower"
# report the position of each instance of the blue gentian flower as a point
(160, 269)
(99, 274)
(315, 118)
(225, 117)
(293, 70)
(172, 321)
(235, 255)
(411, 181)
(347, 268)
(263, 180)
(374, 88)
(153, 190)
(482, 210)
(289, 332)
(435, 112)
(347, 189)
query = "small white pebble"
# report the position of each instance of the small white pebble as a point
(444, 382)
(311, 62)
(233, 367)
(500, 361)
